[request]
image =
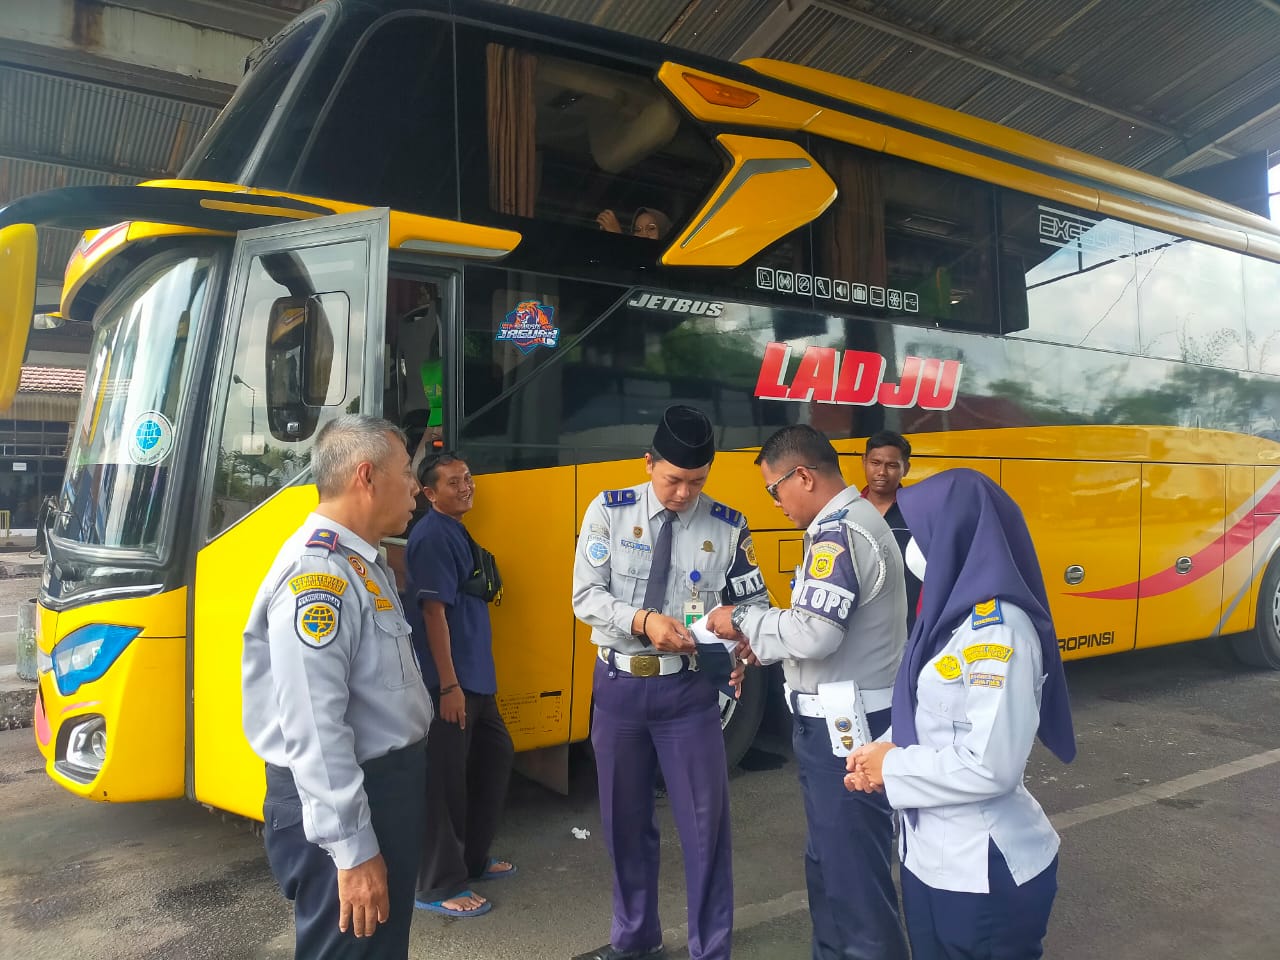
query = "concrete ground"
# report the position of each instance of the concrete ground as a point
(1169, 820)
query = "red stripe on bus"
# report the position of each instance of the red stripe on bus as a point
(1241, 535)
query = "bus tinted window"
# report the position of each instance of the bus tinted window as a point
(225, 149)
(1190, 300)
(1067, 277)
(387, 136)
(620, 358)
(571, 142)
(1261, 314)
(906, 242)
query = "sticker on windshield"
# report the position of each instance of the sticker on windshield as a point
(151, 438)
(531, 324)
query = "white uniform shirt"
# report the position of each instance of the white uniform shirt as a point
(330, 679)
(615, 553)
(976, 719)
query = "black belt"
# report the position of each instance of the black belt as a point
(281, 785)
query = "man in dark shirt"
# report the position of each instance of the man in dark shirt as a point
(469, 750)
(886, 462)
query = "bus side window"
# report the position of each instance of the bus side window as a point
(301, 376)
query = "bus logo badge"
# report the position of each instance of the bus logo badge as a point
(528, 326)
(151, 438)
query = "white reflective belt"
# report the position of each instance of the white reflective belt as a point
(809, 704)
(647, 664)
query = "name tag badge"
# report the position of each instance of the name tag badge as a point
(693, 610)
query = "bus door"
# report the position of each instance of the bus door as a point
(1084, 517)
(1183, 552)
(303, 326)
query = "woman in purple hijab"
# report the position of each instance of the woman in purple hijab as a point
(980, 679)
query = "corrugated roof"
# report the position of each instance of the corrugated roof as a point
(36, 379)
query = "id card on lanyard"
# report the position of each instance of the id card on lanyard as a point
(693, 607)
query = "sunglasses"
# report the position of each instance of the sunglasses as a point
(772, 488)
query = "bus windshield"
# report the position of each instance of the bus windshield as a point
(121, 451)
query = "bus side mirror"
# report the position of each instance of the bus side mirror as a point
(306, 362)
(18, 251)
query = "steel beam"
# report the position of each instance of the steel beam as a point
(994, 66)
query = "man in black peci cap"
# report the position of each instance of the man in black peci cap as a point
(650, 560)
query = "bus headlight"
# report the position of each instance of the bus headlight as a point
(84, 655)
(87, 746)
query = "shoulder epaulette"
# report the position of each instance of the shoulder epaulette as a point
(727, 514)
(324, 538)
(834, 517)
(986, 613)
(618, 498)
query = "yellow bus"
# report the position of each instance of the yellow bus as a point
(399, 213)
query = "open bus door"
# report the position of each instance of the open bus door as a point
(301, 344)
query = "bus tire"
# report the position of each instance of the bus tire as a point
(1260, 647)
(740, 719)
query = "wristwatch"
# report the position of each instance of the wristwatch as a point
(738, 617)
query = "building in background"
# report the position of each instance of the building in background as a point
(33, 441)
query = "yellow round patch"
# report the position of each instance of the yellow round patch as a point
(820, 566)
(749, 551)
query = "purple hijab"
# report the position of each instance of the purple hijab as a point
(976, 546)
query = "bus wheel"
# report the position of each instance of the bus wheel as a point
(740, 719)
(1261, 646)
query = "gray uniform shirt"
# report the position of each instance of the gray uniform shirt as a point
(848, 616)
(615, 552)
(330, 679)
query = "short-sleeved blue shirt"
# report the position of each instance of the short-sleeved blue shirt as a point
(437, 563)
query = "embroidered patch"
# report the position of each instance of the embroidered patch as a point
(633, 545)
(618, 498)
(597, 549)
(985, 680)
(987, 651)
(948, 666)
(316, 618)
(822, 559)
(727, 514)
(358, 565)
(986, 613)
(749, 551)
(382, 603)
(324, 538)
(318, 581)
(372, 587)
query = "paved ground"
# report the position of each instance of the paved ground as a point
(1170, 824)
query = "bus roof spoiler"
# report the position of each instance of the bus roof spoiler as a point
(91, 208)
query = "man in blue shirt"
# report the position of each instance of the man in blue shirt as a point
(469, 750)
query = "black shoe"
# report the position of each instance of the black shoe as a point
(610, 952)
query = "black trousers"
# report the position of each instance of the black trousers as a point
(394, 786)
(468, 772)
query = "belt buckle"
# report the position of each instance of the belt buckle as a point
(645, 665)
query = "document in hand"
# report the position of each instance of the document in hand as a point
(715, 656)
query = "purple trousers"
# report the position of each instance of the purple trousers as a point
(672, 722)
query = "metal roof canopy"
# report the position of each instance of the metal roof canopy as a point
(1167, 86)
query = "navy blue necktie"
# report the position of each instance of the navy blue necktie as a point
(655, 591)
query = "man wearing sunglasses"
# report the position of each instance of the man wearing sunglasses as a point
(839, 643)
(650, 559)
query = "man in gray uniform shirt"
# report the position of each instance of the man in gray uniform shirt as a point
(847, 622)
(334, 703)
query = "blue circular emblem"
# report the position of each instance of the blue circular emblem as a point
(151, 438)
(695, 576)
(597, 551)
(843, 724)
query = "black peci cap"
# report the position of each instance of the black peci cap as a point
(684, 438)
